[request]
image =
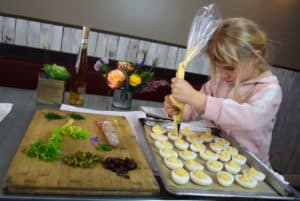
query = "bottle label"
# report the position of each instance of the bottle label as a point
(81, 90)
(84, 41)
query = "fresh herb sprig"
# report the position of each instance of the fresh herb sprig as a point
(53, 116)
(103, 147)
(77, 116)
(49, 150)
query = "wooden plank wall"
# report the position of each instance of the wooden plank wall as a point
(23, 32)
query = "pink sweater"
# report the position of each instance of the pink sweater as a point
(249, 122)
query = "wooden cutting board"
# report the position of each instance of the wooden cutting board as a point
(29, 175)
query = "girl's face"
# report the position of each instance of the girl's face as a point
(229, 72)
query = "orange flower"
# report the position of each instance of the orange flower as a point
(125, 66)
(114, 78)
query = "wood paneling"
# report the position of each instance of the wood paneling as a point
(171, 58)
(8, 30)
(132, 50)
(151, 53)
(122, 48)
(21, 32)
(45, 36)
(67, 39)
(33, 34)
(56, 37)
(112, 46)
(101, 46)
(71, 40)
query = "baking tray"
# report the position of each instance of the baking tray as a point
(271, 188)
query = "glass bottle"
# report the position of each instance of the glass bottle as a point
(78, 80)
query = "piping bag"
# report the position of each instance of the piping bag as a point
(204, 23)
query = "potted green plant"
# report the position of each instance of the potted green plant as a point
(51, 84)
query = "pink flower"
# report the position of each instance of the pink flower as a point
(153, 85)
(97, 65)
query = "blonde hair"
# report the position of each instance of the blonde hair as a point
(235, 40)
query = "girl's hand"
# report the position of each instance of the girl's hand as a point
(184, 92)
(169, 107)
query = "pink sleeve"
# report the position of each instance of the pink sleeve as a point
(191, 112)
(232, 115)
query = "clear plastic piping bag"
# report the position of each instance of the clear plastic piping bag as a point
(204, 24)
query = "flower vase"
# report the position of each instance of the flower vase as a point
(121, 99)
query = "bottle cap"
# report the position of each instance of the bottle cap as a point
(85, 32)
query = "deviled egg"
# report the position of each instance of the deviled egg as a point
(197, 147)
(163, 144)
(180, 176)
(225, 178)
(224, 156)
(158, 136)
(239, 159)
(208, 155)
(181, 144)
(172, 135)
(194, 138)
(193, 165)
(255, 174)
(232, 167)
(173, 162)
(214, 166)
(166, 152)
(245, 181)
(186, 131)
(216, 147)
(207, 136)
(157, 128)
(232, 150)
(187, 155)
(200, 178)
(222, 141)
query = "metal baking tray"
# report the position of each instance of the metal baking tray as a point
(271, 188)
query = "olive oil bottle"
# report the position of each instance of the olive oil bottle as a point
(78, 80)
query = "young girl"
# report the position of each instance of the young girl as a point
(242, 96)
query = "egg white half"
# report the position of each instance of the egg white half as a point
(181, 144)
(257, 175)
(165, 152)
(173, 136)
(232, 169)
(187, 155)
(218, 166)
(206, 180)
(249, 184)
(225, 182)
(163, 144)
(157, 128)
(158, 136)
(178, 179)
(212, 156)
(197, 147)
(239, 159)
(173, 164)
(186, 131)
(192, 165)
